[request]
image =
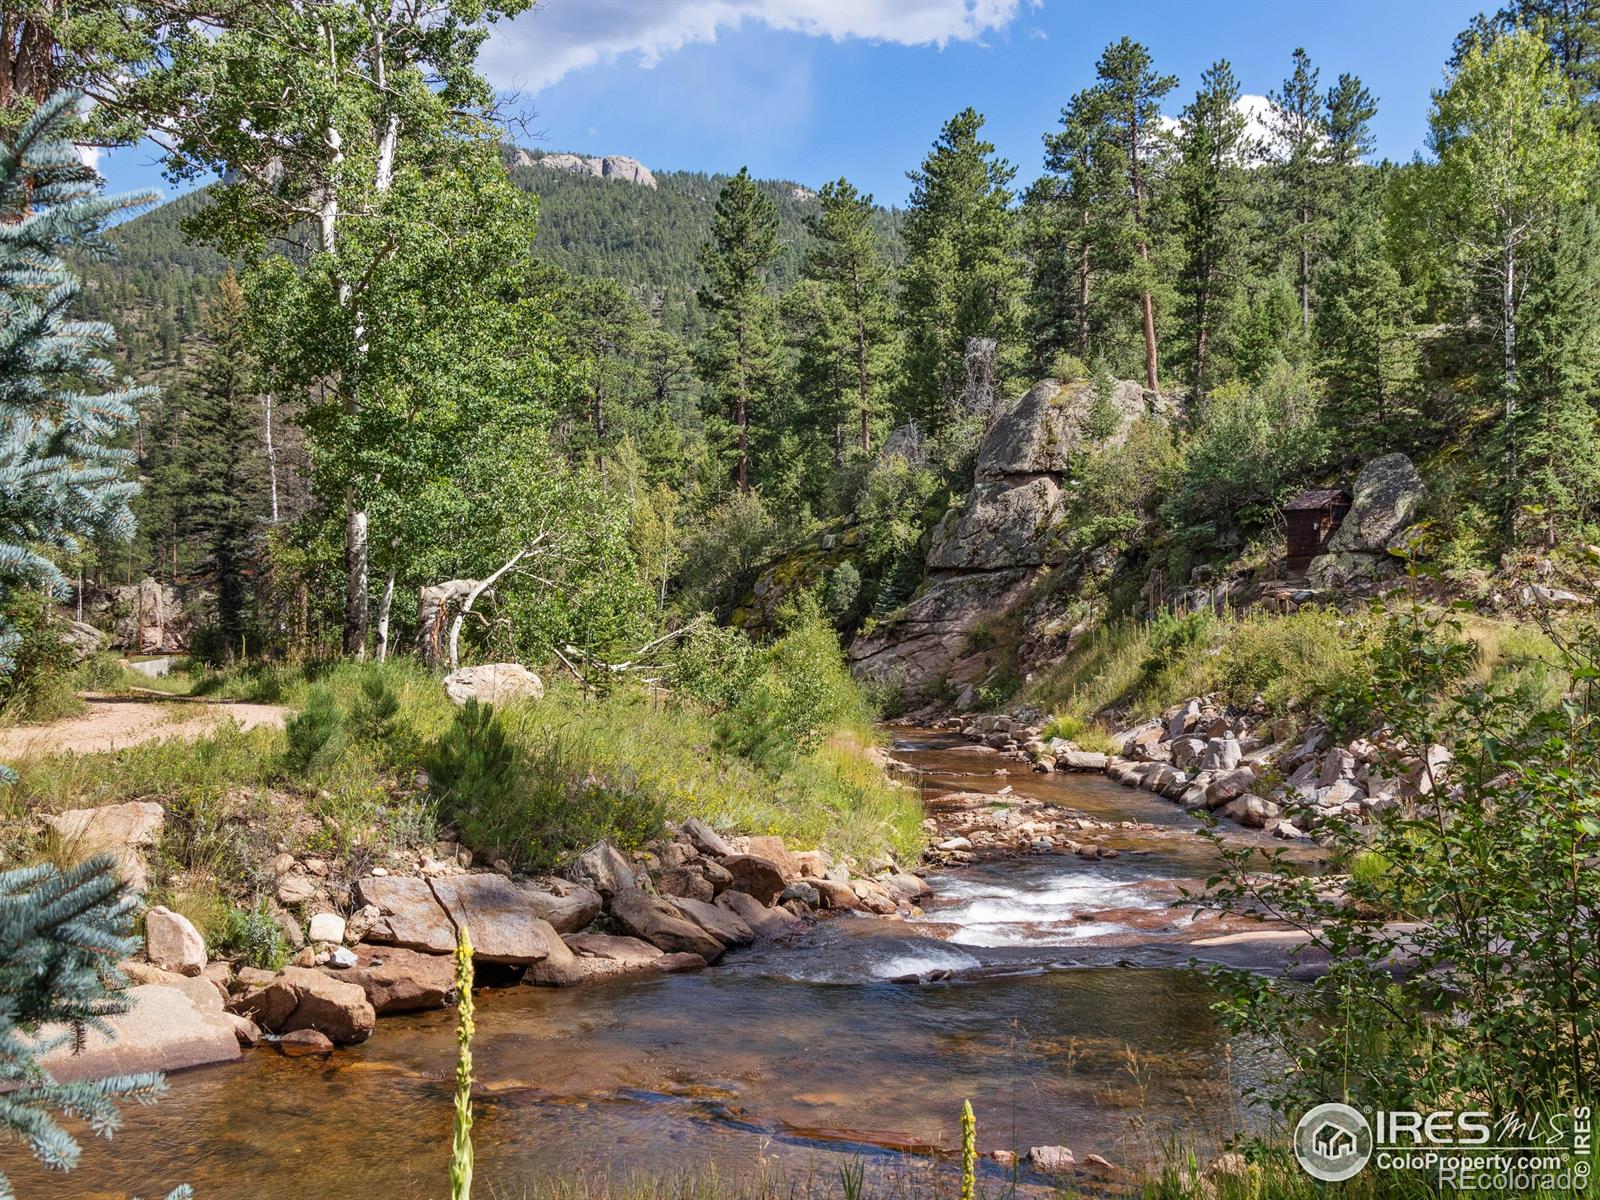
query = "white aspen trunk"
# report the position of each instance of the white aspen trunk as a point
(272, 457)
(385, 606)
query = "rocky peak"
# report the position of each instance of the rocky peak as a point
(610, 166)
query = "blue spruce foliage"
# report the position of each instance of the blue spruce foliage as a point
(62, 476)
(62, 934)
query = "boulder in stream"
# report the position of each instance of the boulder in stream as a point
(658, 922)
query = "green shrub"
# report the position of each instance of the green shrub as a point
(314, 736)
(1494, 1009)
(712, 666)
(474, 764)
(842, 590)
(799, 693)
(100, 672)
(42, 684)
(1291, 661)
(254, 937)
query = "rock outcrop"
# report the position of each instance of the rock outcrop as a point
(1370, 543)
(983, 556)
(149, 618)
(610, 166)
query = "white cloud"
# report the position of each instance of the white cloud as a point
(1257, 112)
(560, 36)
(89, 156)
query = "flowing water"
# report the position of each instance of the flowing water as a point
(1053, 994)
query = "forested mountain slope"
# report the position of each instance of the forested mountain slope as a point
(647, 238)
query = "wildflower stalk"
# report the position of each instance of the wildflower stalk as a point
(461, 1146)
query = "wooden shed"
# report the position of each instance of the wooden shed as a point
(1311, 518)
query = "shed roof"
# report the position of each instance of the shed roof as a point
(1314, 498)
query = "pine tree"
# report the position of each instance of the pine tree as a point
(1299, 132)
(1557, 440)
(62, 478)
(1212, 210)
(737, 359)
(221, 468)
(1067, 244)
(62, 934)
(962, 280)
(1364, 306)
(1131, 91)
(846, 261)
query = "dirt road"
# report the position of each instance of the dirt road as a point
(117, 722)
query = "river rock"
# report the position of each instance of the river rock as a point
(685, 882)
(246, 1031)
(836, 893)
(604, 869)
(304, 1043)
(705, 839)
(760, 877)
(1222, 753)
(397, 980)
(773, 850)
(326, 927)
(120, 830)
(813, 863)
(678, 964)
(493, 683)
(164, 1030)
(801, 892)
(1081, 760)
(410, 914)
(660, 923)
(906, 887)
(1387, 496)
(569, 907)
(505, 927)
(609, 947)
(303, 998)
(1051, 1158)
(560, 967)
(173, 943)
(764, 922)
(1251, 811)
(1228, 786)
(874, 897)
(727, 927)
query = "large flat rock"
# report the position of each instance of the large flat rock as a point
(412, 916)
(164, 1031)
(500, 916)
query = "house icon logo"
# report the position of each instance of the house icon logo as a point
(1332, 1142)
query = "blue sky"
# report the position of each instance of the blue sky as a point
(814, 89)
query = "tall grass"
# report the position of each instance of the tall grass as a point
(1291, 662)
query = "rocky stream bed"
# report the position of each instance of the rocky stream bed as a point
(1053, 988)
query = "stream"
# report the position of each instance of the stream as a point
(1052, 991)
